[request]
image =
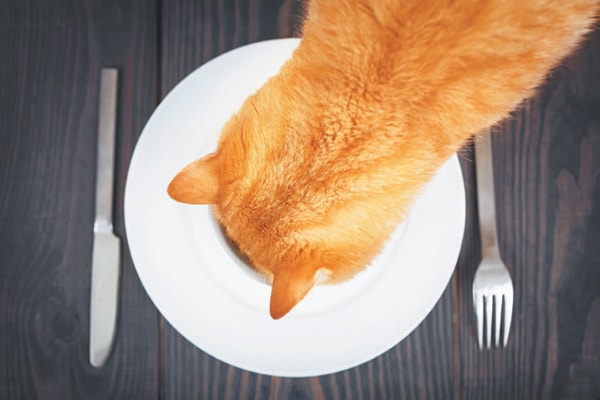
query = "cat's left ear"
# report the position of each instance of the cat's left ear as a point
(196, 183)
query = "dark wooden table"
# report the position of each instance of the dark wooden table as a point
(547, 160)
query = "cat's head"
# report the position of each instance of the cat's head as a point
(291, 273)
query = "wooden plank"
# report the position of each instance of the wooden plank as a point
(52, 53)
(547, 161)
(419, 367)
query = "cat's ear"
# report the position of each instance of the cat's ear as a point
(197, 182)
(290, 285)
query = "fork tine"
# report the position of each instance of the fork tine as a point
(489, 307)
(479, 316)
(498, 303)
(508, 308)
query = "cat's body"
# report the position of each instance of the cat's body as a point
(319, 166)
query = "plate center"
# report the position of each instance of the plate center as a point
(233, 252)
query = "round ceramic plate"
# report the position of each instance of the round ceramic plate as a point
(197, 283)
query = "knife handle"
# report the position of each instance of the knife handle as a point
(106, 149)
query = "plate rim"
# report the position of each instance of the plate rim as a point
(168, 315)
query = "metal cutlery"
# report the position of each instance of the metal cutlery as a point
(492, 286)
(106, 253)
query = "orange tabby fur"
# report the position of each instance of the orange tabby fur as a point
(318, 167)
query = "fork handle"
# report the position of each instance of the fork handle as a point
(485, 195)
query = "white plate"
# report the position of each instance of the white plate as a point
(195, 281)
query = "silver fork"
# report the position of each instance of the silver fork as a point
(492, 287)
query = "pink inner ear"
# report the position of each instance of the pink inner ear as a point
(197, 182)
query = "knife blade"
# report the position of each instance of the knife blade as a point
(106, 251)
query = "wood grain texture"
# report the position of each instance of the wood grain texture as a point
(420, 367)
(547, 161)
(52, 53)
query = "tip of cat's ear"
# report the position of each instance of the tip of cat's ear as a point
(196, 183)
(290, 286)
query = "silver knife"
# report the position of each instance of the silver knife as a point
(106, 252)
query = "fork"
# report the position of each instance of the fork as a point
(492, 286)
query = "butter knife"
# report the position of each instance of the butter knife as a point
(106, 252)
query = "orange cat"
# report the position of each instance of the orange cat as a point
(318, 167)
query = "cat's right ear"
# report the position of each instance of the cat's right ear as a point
(290, 285)
(197, 182)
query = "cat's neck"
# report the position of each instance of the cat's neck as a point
(436, 66)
